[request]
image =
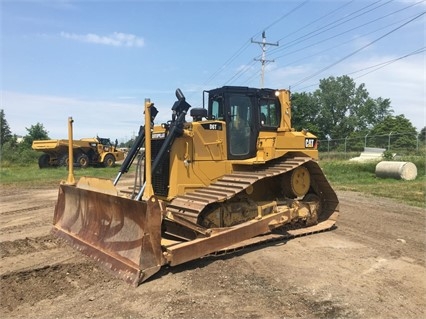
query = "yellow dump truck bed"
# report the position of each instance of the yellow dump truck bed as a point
(46, 145)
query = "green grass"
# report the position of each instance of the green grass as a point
(31, 176)
(361, 177)
(342, 174)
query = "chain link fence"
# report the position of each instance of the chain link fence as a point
(398, 143)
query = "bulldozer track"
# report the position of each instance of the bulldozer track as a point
(280, 234)
(190, 205)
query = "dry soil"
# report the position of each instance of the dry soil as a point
(371, 266)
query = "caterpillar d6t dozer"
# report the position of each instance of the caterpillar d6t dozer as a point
(234, 175)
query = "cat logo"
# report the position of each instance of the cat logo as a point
(309, 142)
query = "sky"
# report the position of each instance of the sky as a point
(97, 61)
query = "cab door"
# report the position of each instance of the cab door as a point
(242, 128)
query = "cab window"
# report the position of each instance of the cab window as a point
(269, 113)
(216, 110)
(239, 125)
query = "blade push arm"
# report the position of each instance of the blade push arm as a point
(137, 145)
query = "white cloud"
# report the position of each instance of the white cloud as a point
(91, 117)
(117, 39)
(403, 82)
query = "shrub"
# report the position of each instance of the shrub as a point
(19, 154)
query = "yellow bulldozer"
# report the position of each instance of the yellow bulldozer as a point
(235, 175)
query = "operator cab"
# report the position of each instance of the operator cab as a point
(246, 112)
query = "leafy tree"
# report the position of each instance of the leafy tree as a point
(21, 153)
(344, 109)
(305, 112)
(35, 132)
(422, 135)
(5, 133)
(395, 131)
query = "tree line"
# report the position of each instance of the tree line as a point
(17, 151)
(338, 109)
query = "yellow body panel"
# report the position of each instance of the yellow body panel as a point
(193, 167)
(213, 142)
(285, 123)
(198, 158)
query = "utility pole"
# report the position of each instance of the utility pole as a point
(263, 60)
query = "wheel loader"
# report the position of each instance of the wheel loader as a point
(232, 175)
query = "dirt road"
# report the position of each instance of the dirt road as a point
(371, 266)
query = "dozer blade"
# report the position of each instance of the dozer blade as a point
(122, 234)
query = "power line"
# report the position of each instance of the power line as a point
(348, 17)
(376, 66)
(246, 44)
(349, 30)
(331, 25)
(333, 11)
(320, 18)
(335, 46)
(346, 31)
(243, 70)
(285, 15)
(229, 61)
(384, 64)
(356, 51)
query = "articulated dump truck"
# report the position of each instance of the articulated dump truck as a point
(235, 175)
(86, 152)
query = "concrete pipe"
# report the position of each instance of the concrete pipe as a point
(398, 170)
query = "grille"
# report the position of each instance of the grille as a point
(160, 178)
